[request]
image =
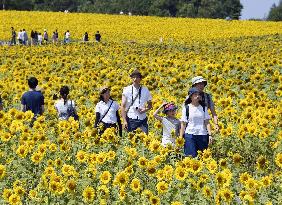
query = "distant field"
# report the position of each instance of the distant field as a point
(139, 28)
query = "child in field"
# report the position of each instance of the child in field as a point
(170, 123)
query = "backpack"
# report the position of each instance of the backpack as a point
(72, 112)
(208, 99)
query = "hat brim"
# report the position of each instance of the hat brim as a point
(200, 81)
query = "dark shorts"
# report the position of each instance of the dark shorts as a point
(106, 126)
(133, 124)
(194, 143)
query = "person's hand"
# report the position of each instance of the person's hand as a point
(125, 125)
(210, 139)
(216, 128)
(141, 110)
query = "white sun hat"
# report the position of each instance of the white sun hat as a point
(198, 79)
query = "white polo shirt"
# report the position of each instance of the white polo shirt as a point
(197, 116)
(130, 92)
(102, 108)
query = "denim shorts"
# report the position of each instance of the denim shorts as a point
(133, 124)
(194, 143)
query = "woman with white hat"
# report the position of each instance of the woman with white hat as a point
(200, 83)
(195, 126)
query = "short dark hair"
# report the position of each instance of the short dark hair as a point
(64, 91)
(32, 82)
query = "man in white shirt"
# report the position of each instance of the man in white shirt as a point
(136, 101)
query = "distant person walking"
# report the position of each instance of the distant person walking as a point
(45, 36)
(25, 37)
(32, 37)
(13, 38)
(98, 36)
(67, 37)
(85, 37)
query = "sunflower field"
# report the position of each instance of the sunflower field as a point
(66, 162)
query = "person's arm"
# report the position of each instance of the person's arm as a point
(184, 122)
(147, 108)
(156, 113)
(208, 126)
(123, 111)
(119, 124)
(42, 105)
(23, 104)
(213, 112)
(97, 119)
(42, 109)
(182, 129)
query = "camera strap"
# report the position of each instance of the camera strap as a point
(135, 98)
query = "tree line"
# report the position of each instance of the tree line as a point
(174, 8)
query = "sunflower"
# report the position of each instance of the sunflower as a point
(147, 193)
(121, 178)
(154, 200)
(212, 166)
(155, 145)
(135, 185)
(81, 156)
(244, 177)
(142, 162)
(71, 185)
(179, 142)
(32, 194)
(19, 190)
(2, 171)
(176, 203)
(162, 187)
(88, 194)
(15, 199)
(206, 190)
(226, 195)
(122, 194)
(103, 192)
(261, 162)
(236, 158)
(6, 194)
(22, 151)
(37, 157)
(180, 174)
(105, 177)
(266, 181)
(278, 160)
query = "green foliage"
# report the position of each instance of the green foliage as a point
(275, 13)
(181, 8)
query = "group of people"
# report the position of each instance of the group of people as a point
(194, 124)
(38, 38)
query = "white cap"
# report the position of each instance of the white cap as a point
(198, 79)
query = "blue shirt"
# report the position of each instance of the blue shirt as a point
(33, 100)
